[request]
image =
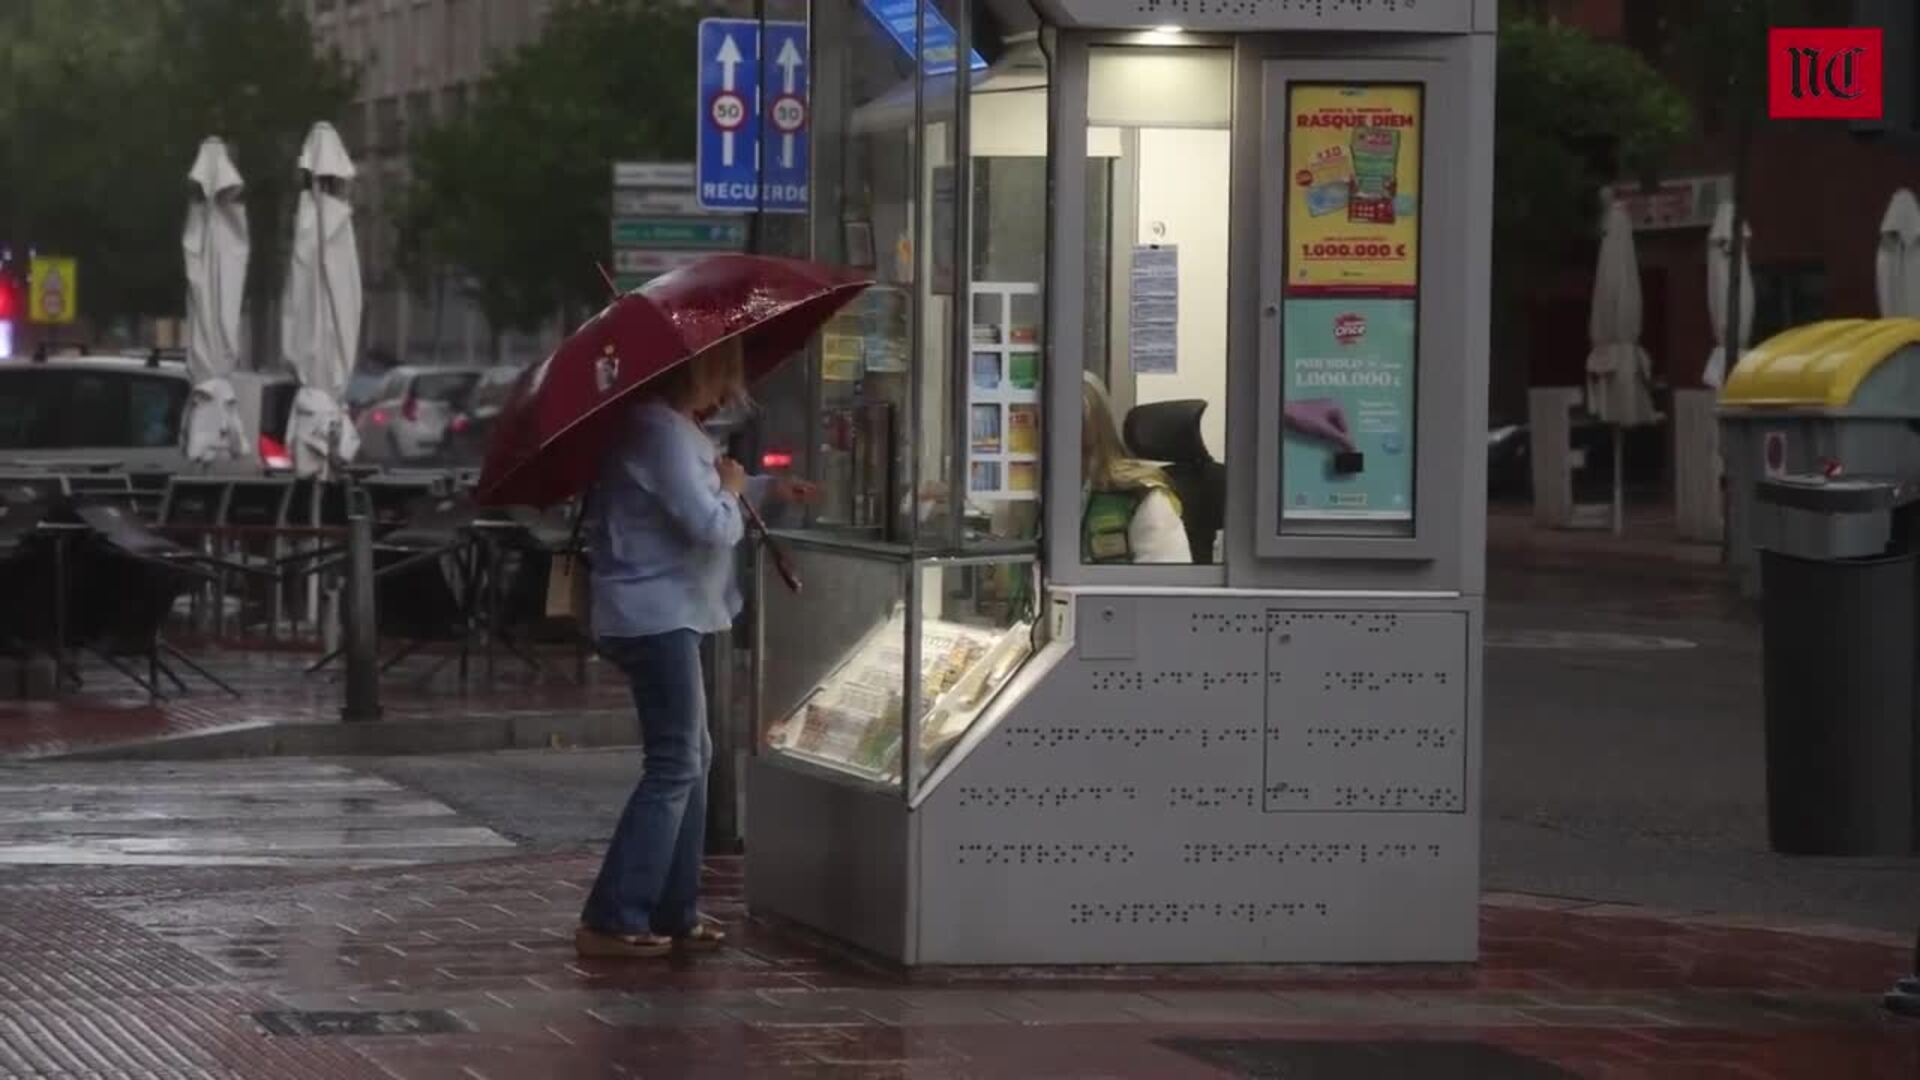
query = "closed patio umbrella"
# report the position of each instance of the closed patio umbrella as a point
(216, 245)
(1896, 262)
(1617, 368)
(1719, 275)
(320, 320)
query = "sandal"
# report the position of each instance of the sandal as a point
(704, 937)
(590, 942)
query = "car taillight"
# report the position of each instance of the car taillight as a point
(378, 416)
(411, 409)
(460, 423)
(273, 455)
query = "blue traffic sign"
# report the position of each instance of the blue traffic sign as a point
(753, 152)
(908, 25)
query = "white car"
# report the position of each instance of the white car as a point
(83, 411)
(409, 419)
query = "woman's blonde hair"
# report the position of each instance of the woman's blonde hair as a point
(1104, 460)
(717, 374)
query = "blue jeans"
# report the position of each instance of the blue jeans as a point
(650, 879)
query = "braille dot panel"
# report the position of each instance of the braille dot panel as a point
(1036, 853)
(1376, 681)
(1368, 735)
(1115, 681)
(1386, 738)
(1226, 622)
(1029, 737)
(1372, 622)
(1399, 797)
(1210, 797)
(1174, 912)
(1042, 796)
(1325, 853)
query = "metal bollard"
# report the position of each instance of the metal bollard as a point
(359, 626)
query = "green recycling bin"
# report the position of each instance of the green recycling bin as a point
(1843, 391)
(1840, 622)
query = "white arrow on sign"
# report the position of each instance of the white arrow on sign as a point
(729, 59)
(789, 62)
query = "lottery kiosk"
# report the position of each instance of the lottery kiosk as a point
(1229, 261)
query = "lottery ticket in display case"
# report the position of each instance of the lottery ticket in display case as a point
(883, 652)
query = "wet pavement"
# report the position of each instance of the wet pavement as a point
(402, 917)
(280, 703)
(465, 969)
(257, 814)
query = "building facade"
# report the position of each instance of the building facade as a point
(419, 60)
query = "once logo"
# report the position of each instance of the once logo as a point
(1824, 73)
(1349, 328)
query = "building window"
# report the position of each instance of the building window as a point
(387, 132)
(1644, 28)
(1786, 295)
(353, 129)
(419, 113)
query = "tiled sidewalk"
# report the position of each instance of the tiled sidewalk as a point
(467, 970)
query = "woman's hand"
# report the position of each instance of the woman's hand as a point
(793, 490)
(733, 478)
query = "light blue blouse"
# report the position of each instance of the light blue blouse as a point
(663, 532)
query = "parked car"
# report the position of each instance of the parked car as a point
(472, 425)
(88, 410)
(266, 404)
(410, 417)
(363, 387)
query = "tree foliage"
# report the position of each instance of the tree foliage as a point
(107, 102)
(1572, 114)
(512, 195)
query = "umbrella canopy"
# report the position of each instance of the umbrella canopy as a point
(1896, 263)
(320, 316)
(216, 246)
(1617, 368)
(562, 416)
(1719, 275)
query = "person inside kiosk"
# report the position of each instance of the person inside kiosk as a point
(1130, 512)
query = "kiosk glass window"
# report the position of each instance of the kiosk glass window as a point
(1153, 408)
(929, 142)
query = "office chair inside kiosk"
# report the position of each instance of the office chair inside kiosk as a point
(1168, 432)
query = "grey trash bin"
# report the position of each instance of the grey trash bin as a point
(1846, 390)
(1840, 615)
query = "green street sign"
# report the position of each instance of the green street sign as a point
(680, 234)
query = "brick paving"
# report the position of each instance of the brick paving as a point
(174, 972)
(110, 711)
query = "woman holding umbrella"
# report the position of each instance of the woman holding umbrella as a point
(618, 407)
(662, 550)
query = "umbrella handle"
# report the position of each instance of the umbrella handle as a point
(781, 563)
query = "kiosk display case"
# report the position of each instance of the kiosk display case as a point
(976, 741)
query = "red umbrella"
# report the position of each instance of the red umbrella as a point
(564, 413)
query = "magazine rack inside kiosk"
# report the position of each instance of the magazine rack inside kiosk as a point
(998, 728)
